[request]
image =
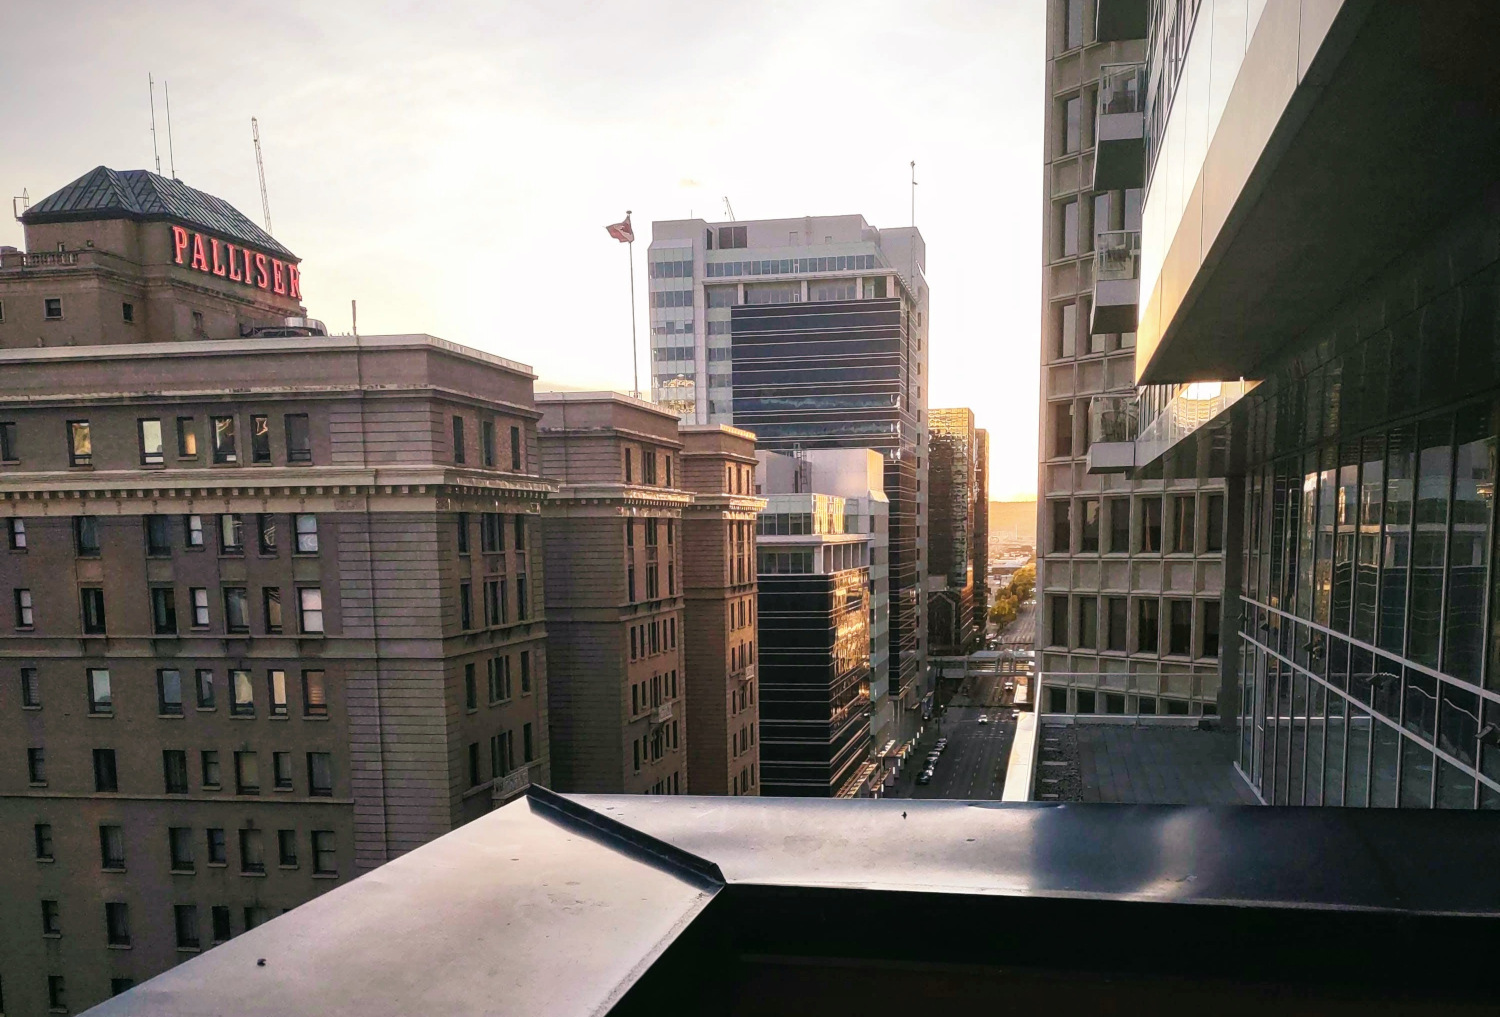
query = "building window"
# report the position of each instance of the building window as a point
(276, 683)
(314, 694)
(1151, 525)
(520, 531)
(80, 443)
(231, 533)
(458, 440)
(1148, 625)
(298, 438)
(174, 771)
(1213, 524)
(180, 845)
(1088, 529)
(117, 923)
(25, 612)
(1058, 606)
(471, 688)
(1072, 125)
(236, 609)
(169, 692)
(271, 606)
(86, 536)
(628, 467)
(153, 452)
(187, 439)
(487, 442)
(1067, 330)
(265, 533)
(281, 770)
(100, 700)
(306, 525)
(1184, 507)
(246, 773)
(208, 760)
(1062, 429)
(93, 610)
(465, 607)
(204, 682)
(1210, 629)
(185, 921)
(221, 922)
(325, 857)
(163, 611)
(1062, 530)
(42, 837)
(1088, 622)
(199, 596)
(106, 777)
(10, 449)
(57, 994)
(223, 435)
(15, 532)
(473, 764)
(1067, 226)
(1180, 632)
(260, 438)
(525, 672)
(112, 848)
(241, 693)
(1114, 608)
(286, 848)
(218, 850)
(1072, 24)
(252, 851)
(198, 328)
(310, 609)
(31, 689)
(51, 918)
(255, 916)
(193, 531)
(36, 766)
(516, 462)
(521, 597)
(158, 536)
(1119, 525)
(52, 308)
(320, 774)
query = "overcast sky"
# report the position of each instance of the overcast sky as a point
(451, 166)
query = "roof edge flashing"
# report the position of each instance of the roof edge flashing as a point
(691, 867)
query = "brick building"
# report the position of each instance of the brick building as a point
(614, 593)
(718, 466)
(274, 612)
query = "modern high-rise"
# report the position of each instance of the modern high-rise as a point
(814, 632)
(980, 557)
(951, 577)
(249, 651)
(811, 333)
(1131, 565)
(615, 593)
(719, 608)
(1322, 233)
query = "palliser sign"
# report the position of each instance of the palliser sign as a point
(213, 256)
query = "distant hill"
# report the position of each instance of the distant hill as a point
(1013, 519)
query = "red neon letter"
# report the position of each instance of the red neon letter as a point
(200, 260)
(294, 280)
(179, 243)
(234, 264)
(278, 274)
(218, 265)
(249, 266)
(262, 277)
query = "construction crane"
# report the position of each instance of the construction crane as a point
(260, 168)
(728, 208)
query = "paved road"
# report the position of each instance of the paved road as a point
(973, 766)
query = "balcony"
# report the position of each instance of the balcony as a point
(1117, 281)
(1120, 20)
(1120, 128)
(661, 714)
(512, 785)
(1114, 421)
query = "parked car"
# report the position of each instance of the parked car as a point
(925, 777)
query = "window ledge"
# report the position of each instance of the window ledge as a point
(189, 949)
(32, 708)
(104, 715)
(118, 946)
(206, 709)
(325, 875)
(287, 868)
(252, 875)
(46, 861)
(169, 716)
(283, 790)
(320, 718)
(52, 935)
(184, 872)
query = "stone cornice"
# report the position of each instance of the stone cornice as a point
(727, 503)
(623, 495)
(253, 481)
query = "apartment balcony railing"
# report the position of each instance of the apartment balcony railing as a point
(512, 785)
(1120, 128)
(1117, 281)
(661, 714)
(1113, 423)
(1196, 405)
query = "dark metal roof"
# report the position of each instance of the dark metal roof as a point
(595, 905)
(103, 193)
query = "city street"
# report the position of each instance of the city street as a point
(973, 765)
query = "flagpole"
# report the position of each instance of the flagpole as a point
(635, 369)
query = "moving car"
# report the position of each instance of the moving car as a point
(984, 718)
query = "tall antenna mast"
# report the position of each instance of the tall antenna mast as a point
(728, 208)
(914, 192)
(150, 81)
(166, 88)
(260, 168)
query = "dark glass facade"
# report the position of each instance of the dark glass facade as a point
(842, 374)
(814, 681)
(1369, 658)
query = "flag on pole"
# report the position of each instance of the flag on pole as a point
(622, 231)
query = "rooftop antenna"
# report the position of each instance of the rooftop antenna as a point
(260, 168)
(728, 208)
(19, 204)
(914, 192)
(166, 88)
(151, 82)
